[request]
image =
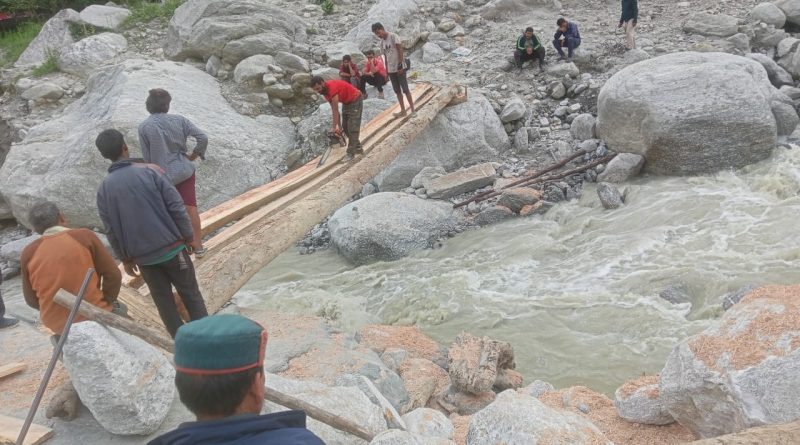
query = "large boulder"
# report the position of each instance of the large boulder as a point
(313, 130)
(58, 160)
(623, 167)
(476, 364)
(791, 8)
(639, 401)
(104, 17)
(390, 13)
(741, 372)
(692, 113)
(520, 419)
(712, 25)
(777, 75)
(52, 39)
(346, 401)
(337, 50)
(458, 136)
(12, 251)
(501, 8)
(252, 68)
(127, 384)
(768, 13)
(583, 127)
(232, 30)
(461, 181)
(85, 56)
(389, 226)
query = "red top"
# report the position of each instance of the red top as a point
(350, 68)
(347, 93)
(376, 66)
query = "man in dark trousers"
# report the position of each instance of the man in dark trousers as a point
(627, 21)
(529, 48)
(339, 91)
(219, 373)
(5, 322)
(567, 36)
(392, 49)
(148, 228)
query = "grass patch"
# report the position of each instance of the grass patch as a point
(327, 6)
(13, 43)
(50, 65)
(143, 11)
(80, 31)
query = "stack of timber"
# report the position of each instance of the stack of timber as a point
(269, 219)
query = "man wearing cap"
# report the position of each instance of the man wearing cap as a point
(219, 373)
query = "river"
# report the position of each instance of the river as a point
(576, 291)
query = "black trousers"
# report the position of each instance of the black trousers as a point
(377, 80)
(521, 56)
(178, 272)
(399, 82)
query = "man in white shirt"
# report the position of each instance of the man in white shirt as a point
(392, 49)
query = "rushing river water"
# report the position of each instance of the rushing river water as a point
(575, 292)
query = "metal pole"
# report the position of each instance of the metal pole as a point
(56, 352)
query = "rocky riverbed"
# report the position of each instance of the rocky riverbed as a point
(592, 283)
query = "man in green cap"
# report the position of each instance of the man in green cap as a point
(219, 364)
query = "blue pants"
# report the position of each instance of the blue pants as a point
(570, 42)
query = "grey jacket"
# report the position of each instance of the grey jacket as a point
(143, 213)
(163, 140)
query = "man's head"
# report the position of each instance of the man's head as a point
(318, 85)
(379, 30)
(219, 366)
(111, 145)
(158, 101)
(44, 215)
(347, 58)
(562, 24)
(529, 32)
(370, 54)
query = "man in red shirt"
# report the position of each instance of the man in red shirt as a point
(348, 71)
(339, 91)
(374, 73)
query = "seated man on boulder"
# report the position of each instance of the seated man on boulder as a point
(529, 47)
(219, 373)
(374, 73)
(567, 36)
(348, 71)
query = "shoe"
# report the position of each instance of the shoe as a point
(380, 96)
(200, 252)
(399, 113)
(8, 322)
(347, 158)
(413, 112)
(360, 151)
(569, 59)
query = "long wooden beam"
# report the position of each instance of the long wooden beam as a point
(224, 271)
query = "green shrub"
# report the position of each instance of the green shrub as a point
(50, 65)
(327, 6)
(143, 11)
(13, 43)
(81, 30)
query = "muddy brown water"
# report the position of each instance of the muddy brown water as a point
(575, 292)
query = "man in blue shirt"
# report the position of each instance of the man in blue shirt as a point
(567, 36)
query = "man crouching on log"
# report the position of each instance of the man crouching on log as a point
(336, 91)
(219, 373)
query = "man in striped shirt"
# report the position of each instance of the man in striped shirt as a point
(162, 137)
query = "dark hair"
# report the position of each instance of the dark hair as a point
(561, 21)
(214, 395)
(347, 58)
(369, 52)
(529, 29)
(158, 101)
(43, 215)
(376, 26)
(110, 143)
(316, 80)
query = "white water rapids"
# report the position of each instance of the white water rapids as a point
(575, 292)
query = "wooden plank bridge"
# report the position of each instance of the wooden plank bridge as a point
(253, 228)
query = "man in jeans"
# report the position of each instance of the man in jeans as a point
(392, 49)
(567, 36)
(148, 228)
(336, 91)
(163, 137)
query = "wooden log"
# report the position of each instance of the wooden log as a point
(781, 434)
(11, 426)
(154, 338)
(92, 312)
(11, 368)
(225, 270)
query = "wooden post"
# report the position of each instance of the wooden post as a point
(153, 337)
(224, 271)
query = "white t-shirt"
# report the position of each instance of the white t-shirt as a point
(389, 48)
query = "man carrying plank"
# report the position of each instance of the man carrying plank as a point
(219, 373)
(336, 91)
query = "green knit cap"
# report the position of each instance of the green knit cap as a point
(219, 344)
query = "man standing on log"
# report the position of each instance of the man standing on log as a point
(59, 259)
(392, 48)
(336, 91)
(162, 137)
(148, 228)
(219, 373)
(627, 21)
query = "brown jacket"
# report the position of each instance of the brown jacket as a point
(59, 261)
